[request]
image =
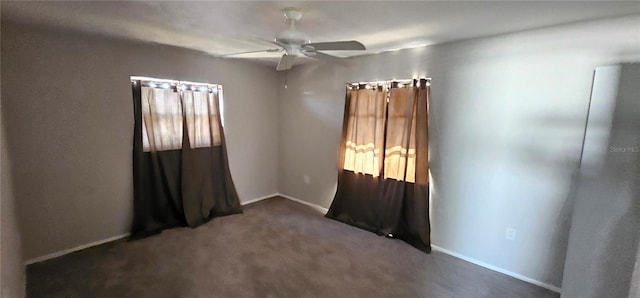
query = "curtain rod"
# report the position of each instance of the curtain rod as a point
(140, 78)
(387, 81)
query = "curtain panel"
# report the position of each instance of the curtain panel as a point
(180, 166)
(383, 176)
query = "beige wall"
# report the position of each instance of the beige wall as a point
(506, 127)
(69, 123)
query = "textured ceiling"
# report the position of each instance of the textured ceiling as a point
(224, 27)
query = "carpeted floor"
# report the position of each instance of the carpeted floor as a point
(277, 248)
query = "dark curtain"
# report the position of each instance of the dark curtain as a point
(383, 177)
(180, 167)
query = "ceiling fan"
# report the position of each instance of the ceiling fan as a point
(295, 43)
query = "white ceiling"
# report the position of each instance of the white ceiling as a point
(224, 27)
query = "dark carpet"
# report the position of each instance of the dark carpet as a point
(277, 248)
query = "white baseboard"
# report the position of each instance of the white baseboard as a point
(110, 239)
(323, 210)
(259, 199)
(73, 249)
(454, 254)
(497, 269)
(317, 207)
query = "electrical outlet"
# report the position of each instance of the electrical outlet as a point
(307, 179)
(510, 234)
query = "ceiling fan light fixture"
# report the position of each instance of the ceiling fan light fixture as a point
(296, 43)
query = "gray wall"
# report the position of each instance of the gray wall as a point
(604, 230)
(12, 271)
(69, 123)
(507, 120)
(634, 292)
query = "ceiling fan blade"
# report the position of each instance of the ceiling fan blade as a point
(286, 62)
(350, 45)
(251, 52)
(329, 58)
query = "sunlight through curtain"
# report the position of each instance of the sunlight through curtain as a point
(383, 178)
(365, 131)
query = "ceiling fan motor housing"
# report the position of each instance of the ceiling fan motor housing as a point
(292, 37)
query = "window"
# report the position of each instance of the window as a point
(381, 129)
(179, 156)
(168, 105)
(383, 182)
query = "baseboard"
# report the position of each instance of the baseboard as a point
(497, 269)
(317, 207)
(74, 249)
(110, 239)
(323, 210)
(454, 254)
(259, 199)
